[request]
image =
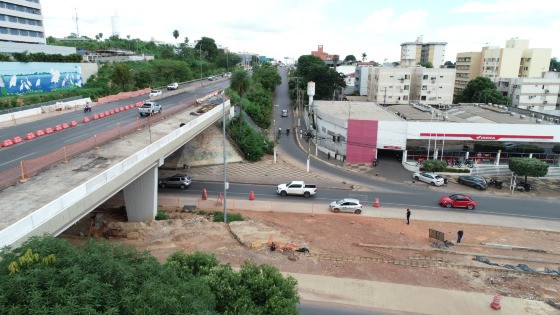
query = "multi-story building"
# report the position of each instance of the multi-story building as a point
(412, 53)
(321, 54)
(405, 85)
(361, 78)
(515, 60)
(539, 94)
(21, 22)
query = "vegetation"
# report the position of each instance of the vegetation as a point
(253, 144)
(528, 167)
(350, 58)
(161, 215)
(482, 90)
(218, 216)
(327, 80)
(426, 64)
(34, 98)
(554, 64)
(5, 57)
(449, 64)
(49, 276)
(41, 57)
(433, 166)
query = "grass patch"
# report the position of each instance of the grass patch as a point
(218, 216)
(161, 215)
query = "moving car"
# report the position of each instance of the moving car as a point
(284, 113)
(296, 188)
(457, 201)
(474, 181)
(173, 86)
(430, 178)
(155, 93)
(149, 108)
(346, 205)
(178, 181)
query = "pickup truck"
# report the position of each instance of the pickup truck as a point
(297, 188)
(149, 108)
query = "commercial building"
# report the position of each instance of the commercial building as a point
(321, 54)
(412, 53)
(405, 85)
(515, 60)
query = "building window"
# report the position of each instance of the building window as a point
(12, 19)
(2, 17)
(23, 33)
(406, 77)
(406, 87)
(405, 97)
(423, 98)
(14, 31)
(3, 30)
(441, 76)
(425, 77)
(525, 68)
(424, 87)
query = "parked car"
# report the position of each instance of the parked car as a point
(474, 181)
(284, 113)
(149, 108)
(155, 93)
(346, 205)
(430, 178)
(296, 188)
(173, 86)
(177, 181)
(457, 201)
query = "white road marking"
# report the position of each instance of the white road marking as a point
(21, 157)
(85, 134)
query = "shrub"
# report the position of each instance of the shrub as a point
(434, 166)
(231, 217)
(161, 215)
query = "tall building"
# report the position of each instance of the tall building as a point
(539, 94)
(515, 60)
(321, 54)
(412, 53)
(21, 22)
(405, 85)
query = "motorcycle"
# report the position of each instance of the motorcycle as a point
(288, 131)
(87, 109)
(374, 163)
(494, 181)
(524, 186)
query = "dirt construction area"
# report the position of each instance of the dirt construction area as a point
(511, 262)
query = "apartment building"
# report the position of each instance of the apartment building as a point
(539, 94)
(361, 77)
(405, 85)
(21, 22)
(515, 60)
(412, 53)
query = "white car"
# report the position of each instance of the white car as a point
(346, 205)
(284, 113)
(173, 86)
(155, 93)
(430, 178)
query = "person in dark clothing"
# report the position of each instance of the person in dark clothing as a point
(328, 155)
(459, 236)
(407, 216)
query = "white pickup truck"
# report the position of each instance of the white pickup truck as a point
(149, 108)
(297, 188)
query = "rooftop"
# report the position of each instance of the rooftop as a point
(354, 110)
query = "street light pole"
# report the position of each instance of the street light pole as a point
(225, 164)
(200, 52)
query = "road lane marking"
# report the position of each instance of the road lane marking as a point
(21, 157)
(85, 134)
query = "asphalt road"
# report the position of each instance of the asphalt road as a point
(330, 309)
(428, 200)
(11, 156)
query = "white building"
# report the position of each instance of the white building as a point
(21, 22)
(405, 85)
(412, 53)
(361, 78)
(539, 94)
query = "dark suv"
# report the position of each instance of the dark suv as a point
(474, 181)
(178, 181)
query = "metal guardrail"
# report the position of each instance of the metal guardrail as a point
(31, 106)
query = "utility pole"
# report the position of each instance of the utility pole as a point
(200, 52)
(225, 163)
(76, 18)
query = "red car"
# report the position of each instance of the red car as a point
(457, 201)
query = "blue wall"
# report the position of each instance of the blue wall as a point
(35, 77)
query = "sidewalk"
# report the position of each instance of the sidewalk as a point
(408, 298)
(458, 216)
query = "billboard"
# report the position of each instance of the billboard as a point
(18, 78)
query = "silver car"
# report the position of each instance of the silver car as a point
(346, 205)
(178, 181)
(430, 178)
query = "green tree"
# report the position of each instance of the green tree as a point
(267, 76)
(554, 64)
(449, 64)
(364, 56)
(350, 58)
(208, 47)
(5, 57)
(186, 41)
(426, 64)
(482, 90)
(528, 167)
(433, 166)
(176, 35)
(240, 82)
(327, 80)
(122, 75)
(396, 63)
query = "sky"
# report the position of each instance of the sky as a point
(291, 28)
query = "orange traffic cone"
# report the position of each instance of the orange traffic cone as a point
(252, 196)
(220, 201)
(376, 203)
(495, 305)
(204, 195)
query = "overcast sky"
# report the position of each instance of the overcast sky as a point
(290, 28)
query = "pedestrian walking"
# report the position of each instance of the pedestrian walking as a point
(407, 216)
(459, 236)
(328, 155)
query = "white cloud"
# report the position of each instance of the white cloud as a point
(386, 21)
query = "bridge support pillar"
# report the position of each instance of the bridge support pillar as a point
(140, 197)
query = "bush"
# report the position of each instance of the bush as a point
(253, 144)
(231, 217)
(161, 215)
(433, 166)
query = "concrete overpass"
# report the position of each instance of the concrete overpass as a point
(55, 199)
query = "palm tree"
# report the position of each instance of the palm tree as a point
(176, 35)
(364, 56)
(240, 83)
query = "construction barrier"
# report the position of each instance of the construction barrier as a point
(495, 305)
(16, 140)
(39, 133)
(85, 120)
(204, 195)
(376, 203)
(122, 96)
(30, 136)
(29, 168)
(252, 195)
